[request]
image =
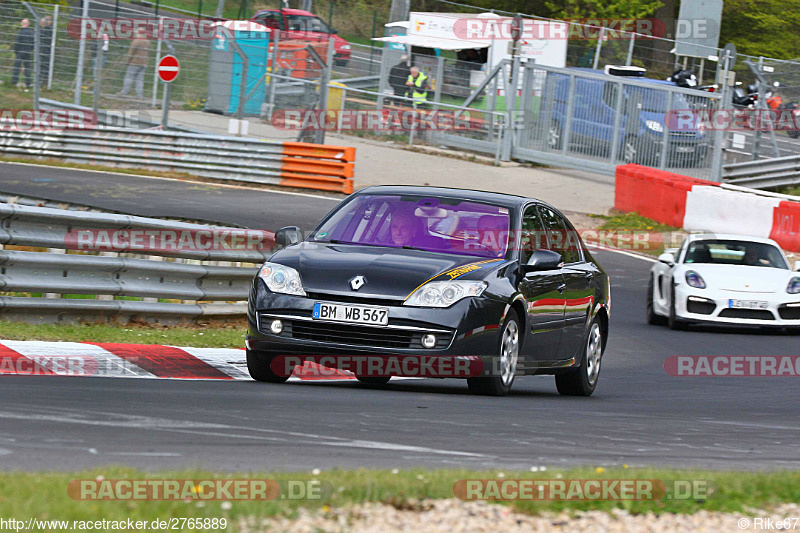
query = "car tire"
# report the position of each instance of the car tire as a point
(673, 321)
(341, 62)
(508, 349)
(374, 380)
(652, 318)
(260, 369)
(554, 138)
(583, 380)
(794, 134)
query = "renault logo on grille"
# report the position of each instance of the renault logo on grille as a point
(357, 282)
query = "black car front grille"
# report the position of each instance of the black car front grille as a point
(701, 308)
(789, 313)
(362, 300)
(355, 335)
(754, 314)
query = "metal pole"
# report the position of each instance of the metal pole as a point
(371, 42)
(437, 94)
(116, 9)
(272, 79)
(719, 137)
(200, 9)
(599, 48)
(165, 105)
(81, 55)
(155, 66)
(220, 7)
(511, 92)
(662, 162)
(630, 50)
(98, 77)
(323, 87)
(36, 59)
(413, 124)
(53, 37)
(702, 68)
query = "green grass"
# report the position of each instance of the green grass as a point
(215, 335)
(632, 221)
(44, 495)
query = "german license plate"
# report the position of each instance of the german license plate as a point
(684, 149)
(747, 304)
(353, 314)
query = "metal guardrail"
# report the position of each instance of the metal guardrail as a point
(111, 275)
(764, 173)
(320, 167)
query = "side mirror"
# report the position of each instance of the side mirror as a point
(542, 260)
(287, 236)
(667, 258)
(797, 266)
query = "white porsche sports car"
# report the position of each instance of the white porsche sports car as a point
(728, 279)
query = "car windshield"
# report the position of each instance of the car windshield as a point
(727, 252)
(443, 225)
(306, 23)
(656, 100)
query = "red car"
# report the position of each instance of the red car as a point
(300, 24)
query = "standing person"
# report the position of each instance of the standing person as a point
(418, 85)
(398, 75)
(23, 48)
(137, 57)
(45, 39)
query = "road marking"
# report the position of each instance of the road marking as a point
(227, 185)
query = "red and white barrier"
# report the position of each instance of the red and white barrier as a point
(86, 359)
(699, 205)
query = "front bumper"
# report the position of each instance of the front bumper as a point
(467, 328)
(700, 305)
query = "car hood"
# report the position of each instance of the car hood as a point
(391, 273)
(743, 278)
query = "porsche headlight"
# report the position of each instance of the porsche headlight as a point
(695, 280)
(794, 285)
(444, 293)
(654, 125)
(281, 279)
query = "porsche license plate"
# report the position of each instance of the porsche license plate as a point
(353, 314)
(747, 304)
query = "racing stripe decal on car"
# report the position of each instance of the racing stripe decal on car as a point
(457, 272)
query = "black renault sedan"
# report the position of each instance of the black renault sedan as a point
(494, 285)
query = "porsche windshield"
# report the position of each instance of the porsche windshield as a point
(443, 225)
(724, 252)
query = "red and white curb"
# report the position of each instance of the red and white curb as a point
(86, 359)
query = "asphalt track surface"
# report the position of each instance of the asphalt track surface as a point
(639, 415)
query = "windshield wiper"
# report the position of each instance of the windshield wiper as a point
(337, 241)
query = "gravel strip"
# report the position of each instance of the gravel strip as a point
(456, 516)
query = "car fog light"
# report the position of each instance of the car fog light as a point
(428, 340)
(276, 327)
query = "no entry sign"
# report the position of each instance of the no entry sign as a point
(168, 68)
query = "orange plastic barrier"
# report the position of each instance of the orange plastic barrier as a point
(654, 193)
(318, 166)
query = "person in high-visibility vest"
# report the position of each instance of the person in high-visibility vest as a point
(418, 83)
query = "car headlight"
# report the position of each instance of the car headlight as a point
(695, 280)
(281, 279)
(654, 125)
(444, 293)
(794, 285)
(345, 47)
